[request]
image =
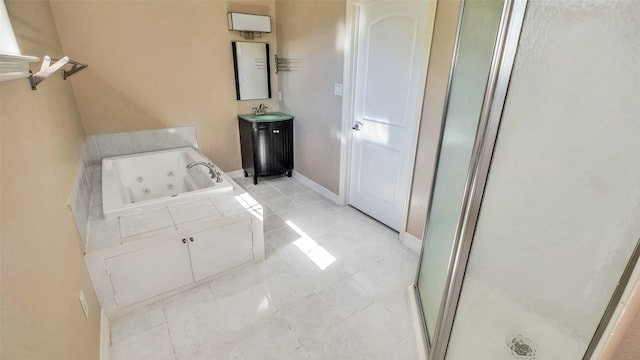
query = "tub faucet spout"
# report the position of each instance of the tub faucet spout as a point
(215, 174)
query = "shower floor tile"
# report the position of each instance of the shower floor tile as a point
(332, 287)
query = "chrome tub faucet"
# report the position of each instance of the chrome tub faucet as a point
(215, 174)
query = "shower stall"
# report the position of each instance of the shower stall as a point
(534, 218)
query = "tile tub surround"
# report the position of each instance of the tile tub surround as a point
(101, 146)
(288, 307)
(97, 147)
(80, 201)
(159, 227)
(105, 233)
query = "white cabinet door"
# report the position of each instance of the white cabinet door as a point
(219, 249)
(150, 271)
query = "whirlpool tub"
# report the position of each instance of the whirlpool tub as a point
(139, 182)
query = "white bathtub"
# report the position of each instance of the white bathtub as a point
(139, 182)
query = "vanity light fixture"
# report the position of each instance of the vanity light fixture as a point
(249, 25)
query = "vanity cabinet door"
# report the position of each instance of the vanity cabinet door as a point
(150, 271)
(274, 147)
(280, 146)
(220, 249)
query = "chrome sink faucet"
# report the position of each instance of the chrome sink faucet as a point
(215, 174)
(260, 109)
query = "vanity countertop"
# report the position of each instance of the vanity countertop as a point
(266, 117)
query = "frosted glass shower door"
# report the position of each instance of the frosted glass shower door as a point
(475, 45)
(559, 217)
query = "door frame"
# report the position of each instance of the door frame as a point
(348, 81)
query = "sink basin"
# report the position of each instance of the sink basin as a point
(268, 116)
(273, 116)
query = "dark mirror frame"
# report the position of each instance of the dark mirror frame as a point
(235, 71)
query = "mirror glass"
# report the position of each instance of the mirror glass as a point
(251, 64)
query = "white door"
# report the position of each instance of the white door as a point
(390, 67)
(150, 271)
(222, 248)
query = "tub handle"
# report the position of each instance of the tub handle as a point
(184, 241)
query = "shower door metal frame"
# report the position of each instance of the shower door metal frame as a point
(506, 45)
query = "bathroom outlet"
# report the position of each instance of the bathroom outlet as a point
(83, 303)
(337, 89)
(279, 95)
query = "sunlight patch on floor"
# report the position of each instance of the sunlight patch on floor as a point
(314, 251)
(251, 205)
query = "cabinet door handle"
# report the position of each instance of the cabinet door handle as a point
(184, 241)
(276, 131)
(191, 239)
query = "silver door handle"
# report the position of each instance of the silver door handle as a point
(356, 127)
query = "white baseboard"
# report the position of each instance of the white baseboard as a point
(417, 323)
(316, 187)
(302, 180)
(412, 242)
(105, 337)
(235, 174)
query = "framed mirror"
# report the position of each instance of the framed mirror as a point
(251, 65)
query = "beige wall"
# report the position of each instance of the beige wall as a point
(42, 262)
(157, 64)
(442, 44)
(312, 32)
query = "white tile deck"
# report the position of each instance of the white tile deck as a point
(332, 287)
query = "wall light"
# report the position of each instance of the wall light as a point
(249, 25)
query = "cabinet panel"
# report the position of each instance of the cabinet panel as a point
(150, 271)
(219, 249)
(246, 146)
(262, 148)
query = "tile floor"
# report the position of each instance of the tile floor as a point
(333, 286)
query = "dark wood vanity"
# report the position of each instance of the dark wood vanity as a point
(266, 144)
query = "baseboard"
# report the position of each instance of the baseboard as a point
(302, 180)
(105, 337)
(412, 242)
(316, 187)
(417, 323)
(235, 174)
